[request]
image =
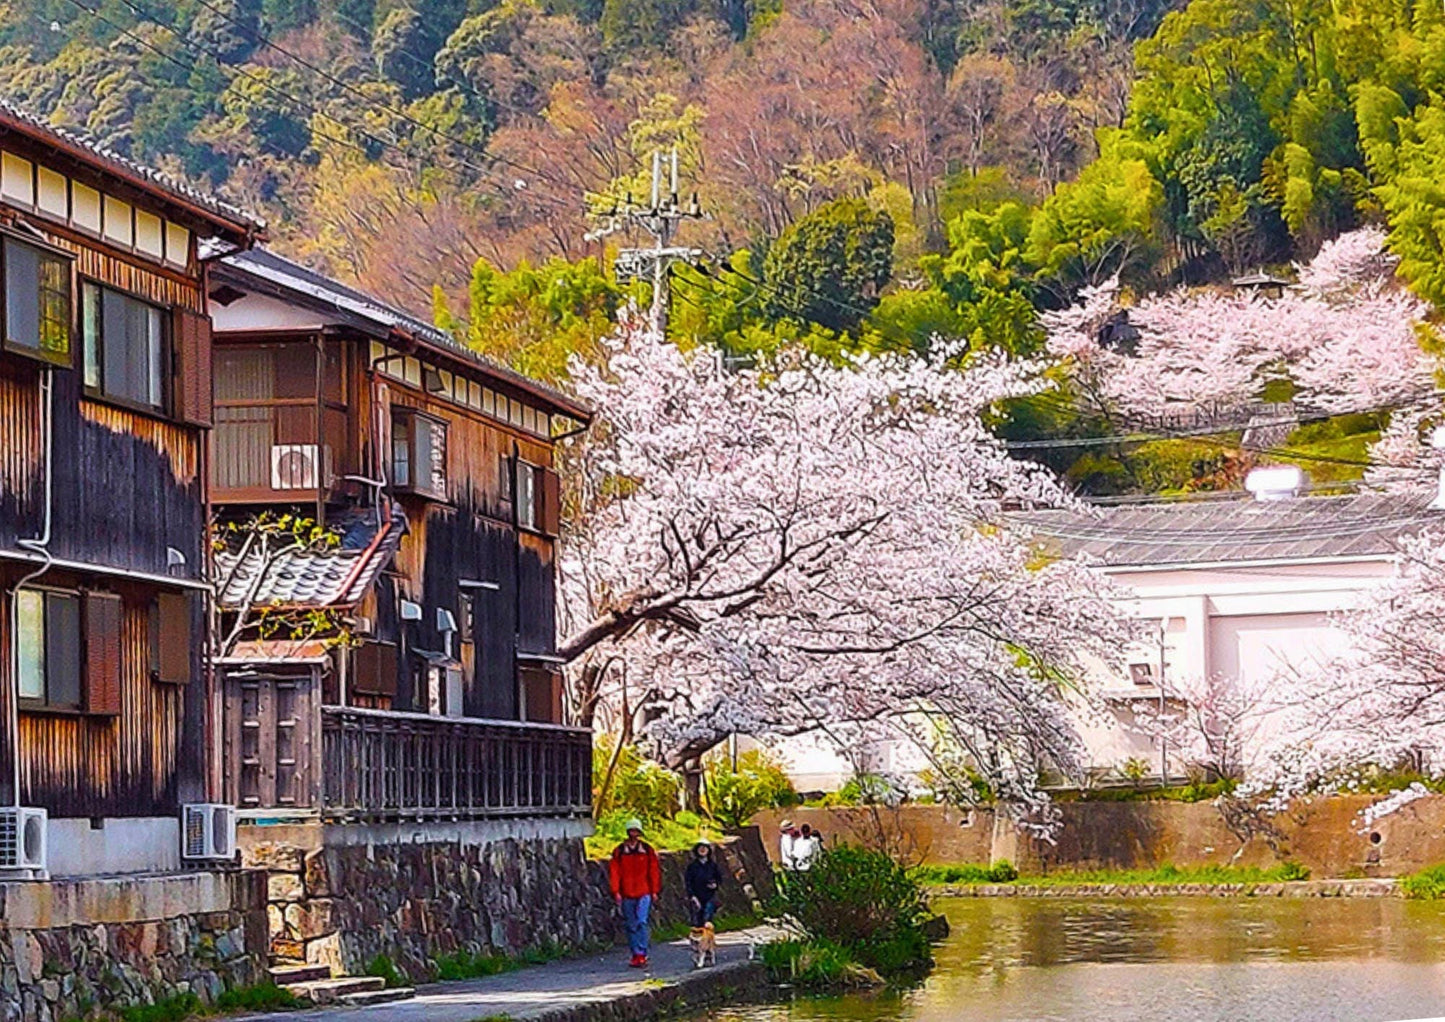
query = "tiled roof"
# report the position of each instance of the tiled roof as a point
(365, 311)
(30, 123)
(1208, 532)
(337, 578)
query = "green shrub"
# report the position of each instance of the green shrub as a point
(666, 835)
(1292, 871)
(1002, 872)
(815, 965)
(1428, 884)
(640, 786)
(464, 965)
(262, 997)
(383, 968)
(173, 1009)
(863, 902)
(758, 783)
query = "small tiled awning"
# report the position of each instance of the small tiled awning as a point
(303, 579)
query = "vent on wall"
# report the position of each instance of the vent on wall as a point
(208, 832)
(22, 839)
(294, 467)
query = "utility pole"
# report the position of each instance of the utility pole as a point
(659, 219)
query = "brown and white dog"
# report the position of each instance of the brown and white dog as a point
(703, 940)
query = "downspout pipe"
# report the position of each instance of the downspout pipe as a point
(39, 545)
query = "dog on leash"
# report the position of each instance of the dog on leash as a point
(703, 940)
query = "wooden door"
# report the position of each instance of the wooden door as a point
(272, 740)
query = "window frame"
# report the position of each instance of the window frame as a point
(38, 354)
(45, 703)
(413, 418)
(525, 499)
(167, 352)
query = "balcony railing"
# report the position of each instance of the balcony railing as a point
(387, 765)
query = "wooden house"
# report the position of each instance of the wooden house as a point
(105, 406)
(421, 680)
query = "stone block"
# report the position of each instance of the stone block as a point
(317, 875)
(310, 919)
(284, 887)
(327, 951)
(276, 855)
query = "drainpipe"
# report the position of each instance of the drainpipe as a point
(38, 545)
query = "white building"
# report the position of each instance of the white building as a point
(1238, 589)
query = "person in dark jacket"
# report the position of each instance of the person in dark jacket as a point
(703, 878)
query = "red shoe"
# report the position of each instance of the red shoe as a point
(642, 962)
(638, 961)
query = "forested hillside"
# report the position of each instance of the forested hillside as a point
(876, 174)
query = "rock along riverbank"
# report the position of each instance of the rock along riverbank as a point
(1367, 888)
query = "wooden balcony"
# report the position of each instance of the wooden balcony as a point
(386, 765)
(288, 757)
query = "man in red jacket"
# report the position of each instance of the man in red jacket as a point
(636, 877)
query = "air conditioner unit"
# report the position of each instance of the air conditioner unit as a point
(208, 831)
(22, 839)
(295, 467)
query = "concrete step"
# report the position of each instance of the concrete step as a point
(329, 991)
(286, 973)
(377, 997)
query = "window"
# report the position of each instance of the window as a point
(125, 346)
(49, 647)
(418, 453)
(37, 301)
(526, 495)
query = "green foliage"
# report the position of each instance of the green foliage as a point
(677, 834)
(262, 997)
(830, 266)
(383, 968)
(477, 965)
(1427, 884)
(758, 783)
(1004, 873)
(1001, 872)
(640, 787)
(815, 965)
(536, 318)
(861, 901)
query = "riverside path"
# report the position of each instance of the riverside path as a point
(570, 990)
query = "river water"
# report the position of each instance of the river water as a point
(1184, 959)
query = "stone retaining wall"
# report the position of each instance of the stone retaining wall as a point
(1323, 834)
(71, 945)
(340, 895)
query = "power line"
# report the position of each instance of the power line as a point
(298, 106)
(375, 104)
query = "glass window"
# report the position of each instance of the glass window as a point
(49, 647)
(418, 453)
(125, 346)
(526, 495)
(401, 450)
(37, 301)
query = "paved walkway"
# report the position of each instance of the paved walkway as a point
(557, 989)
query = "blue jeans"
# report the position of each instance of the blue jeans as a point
(635, 912)
(703, 914)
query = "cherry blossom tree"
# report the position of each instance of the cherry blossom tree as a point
(1381, 702)
(802, 545)
(1346, 338)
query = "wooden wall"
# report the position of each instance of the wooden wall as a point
(127, 485)
(469, 538)
(144, 761)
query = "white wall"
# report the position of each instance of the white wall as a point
(140, 845)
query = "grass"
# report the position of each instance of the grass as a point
(679, 834)
(721, 923)
(383, 968)
(816, 965)
(465, 965)
(1426, 885)
(263, 997)
(1201, 792)
(1166, 874)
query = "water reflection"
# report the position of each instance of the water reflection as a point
(1190, 959)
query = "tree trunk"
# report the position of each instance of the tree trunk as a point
(692, 785)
